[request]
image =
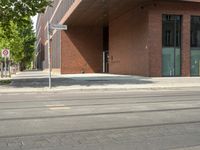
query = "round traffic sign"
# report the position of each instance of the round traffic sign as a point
(5, 52)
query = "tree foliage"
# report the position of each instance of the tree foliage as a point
(16, 31)
(19, 11)
(20, 41)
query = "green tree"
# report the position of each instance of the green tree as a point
(19, 11)
(16, 31)
(21, 42)
(28, 44)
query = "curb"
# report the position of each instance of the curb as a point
(47, 90)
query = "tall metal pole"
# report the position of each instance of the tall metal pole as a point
(1, 69)
(49, 53)
(104, 62)
(49, 28)
(9, 68)
(5, 67)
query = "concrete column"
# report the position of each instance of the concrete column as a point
(185, 45)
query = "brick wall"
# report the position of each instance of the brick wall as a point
(128, 43)
(155, 43)
(135, 41)
(136, 38)
(186, 10)
(81, 50)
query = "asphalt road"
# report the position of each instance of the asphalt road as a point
(151, 120)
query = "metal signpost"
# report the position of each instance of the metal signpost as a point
(50, 28)
(5, 53)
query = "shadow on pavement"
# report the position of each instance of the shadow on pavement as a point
(78, 81)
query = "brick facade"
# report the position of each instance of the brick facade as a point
(128, 43)
(186, 10)
(81, 50)
(155, 43)
(136, 44)
(135, 37)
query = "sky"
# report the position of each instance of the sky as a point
(34, 19)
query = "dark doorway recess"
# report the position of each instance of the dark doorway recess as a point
(106, 49)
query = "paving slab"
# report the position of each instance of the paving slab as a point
(37, 81)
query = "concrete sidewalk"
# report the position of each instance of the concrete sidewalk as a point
(37, 81)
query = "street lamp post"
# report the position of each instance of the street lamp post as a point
(49, 51)
(50, 28)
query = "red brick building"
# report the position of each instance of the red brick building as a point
(137, 37)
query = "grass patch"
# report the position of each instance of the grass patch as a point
(5, 82)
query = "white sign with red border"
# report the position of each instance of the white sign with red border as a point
(5, 53)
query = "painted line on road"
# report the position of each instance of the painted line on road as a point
(59, 108)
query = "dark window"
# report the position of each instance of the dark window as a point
(171, 31)
(195, 46)
(195, 31)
